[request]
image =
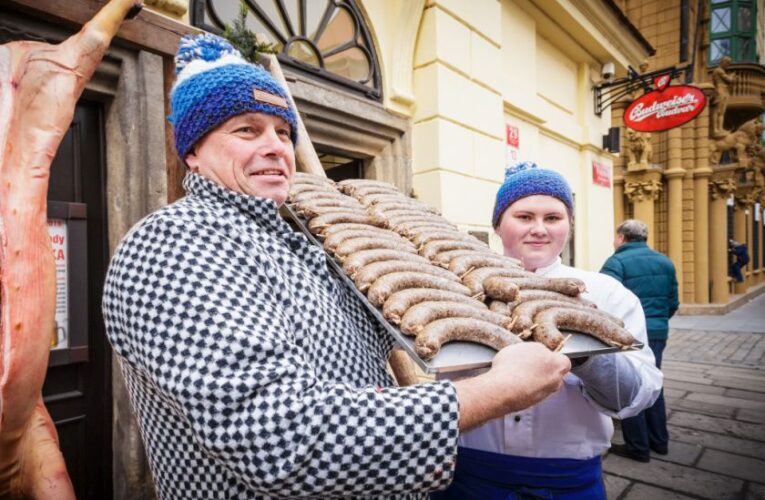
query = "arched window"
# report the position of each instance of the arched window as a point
(732, 29)
(319, 37)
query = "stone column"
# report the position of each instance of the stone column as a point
(721, 186)
(761, 275)
(701, 175)
(674, 175)
(642, 188)
(741, 234)
(618, 201)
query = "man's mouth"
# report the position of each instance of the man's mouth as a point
(270, 172)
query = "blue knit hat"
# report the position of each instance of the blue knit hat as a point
(526, 179)
(214, 83)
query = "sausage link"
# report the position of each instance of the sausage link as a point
(500, 288)
(475, 278)
(443, 259)
(387, 206)
(348, 186)
(423, 217)
(303, 177)
(311, 211)
(371, 272)
(420, 315)
(527, 295)
(500, 307)
(524, 314)
(305, 196)
(356, 261)
(567, 286)
(331, 242)
(384, 286)
(354, 245)
(350, 226)
(399, 212)
(399, 302)
(316, 224)
(550, 321)
(424, 237)
(429, 341)
(430, 250)
(412, 228)
(360, 192)
(464, 263)
(297, 189)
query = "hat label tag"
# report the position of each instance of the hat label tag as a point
(269, 98)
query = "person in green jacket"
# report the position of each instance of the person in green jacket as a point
(651, 276)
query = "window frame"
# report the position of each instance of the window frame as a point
(734, 34)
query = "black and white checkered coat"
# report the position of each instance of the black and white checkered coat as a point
(254, 373)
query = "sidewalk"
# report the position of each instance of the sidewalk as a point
(714, 369)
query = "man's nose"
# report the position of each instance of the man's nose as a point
(272, 142)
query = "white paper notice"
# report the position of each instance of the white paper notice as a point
(59, 241)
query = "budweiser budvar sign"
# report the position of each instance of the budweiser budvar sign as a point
(664, 109)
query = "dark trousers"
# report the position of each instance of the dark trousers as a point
(648, 429)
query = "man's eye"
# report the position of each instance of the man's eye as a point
(284, 132)
(244, 130)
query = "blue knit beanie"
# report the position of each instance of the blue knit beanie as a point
(214, 83)
(526, 179)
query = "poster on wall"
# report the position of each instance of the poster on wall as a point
(57, 230)
(667, 107)
(513, 144)
(601, 174)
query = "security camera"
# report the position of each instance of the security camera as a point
(607, 71)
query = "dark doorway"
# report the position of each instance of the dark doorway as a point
(339, 168)
(77, 389)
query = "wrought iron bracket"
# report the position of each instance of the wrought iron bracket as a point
(608, 92)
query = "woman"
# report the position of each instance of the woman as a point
(553, 450)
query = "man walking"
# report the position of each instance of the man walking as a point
(651, 276)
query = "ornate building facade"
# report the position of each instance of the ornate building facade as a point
(702, 184)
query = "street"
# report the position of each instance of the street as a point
(714, 369)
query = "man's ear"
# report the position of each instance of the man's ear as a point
(192, 161)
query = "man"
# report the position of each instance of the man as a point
(253, 371)
(651, 276)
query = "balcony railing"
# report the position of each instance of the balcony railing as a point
(748, 89)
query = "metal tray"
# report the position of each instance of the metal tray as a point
(454, 356)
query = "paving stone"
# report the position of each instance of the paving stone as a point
(691, 377)
(750, 395)
(699, 407)
(754, 492)
(736, 383)
(640, 491)
(734, 428)
(677, 477)
(726, 401)
(729, 464)
(751, 416)
(680, 453)
(691, 387)
(670, 392)
(721, 442)
(615, 485)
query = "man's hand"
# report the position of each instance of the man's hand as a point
(521, 376)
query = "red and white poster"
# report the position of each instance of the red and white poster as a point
(665, 108)
(57, 231)
(512, 138)
(601, 174)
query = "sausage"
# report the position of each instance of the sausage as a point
(328, 202)
(311, 210)
(361, 191)
(398, 303)
(311, 178)
(354, 245)
(350, 226)
(464, 263)
(500, 307)
(412, 228)
(444, 258)
(500, 288)
(405, 204)
(527, 295)
(423, 237)
(523, 314)
(432, 337)
(297, 189)
(475, 278)
(376, 199)
(550, 321)
(394, 221)
(331, 242)
(433, 248)
(368, 274)
(318, 223)
(567, 286)
(399, 212)
(348, 186)
(386, 285)
(356, 261)
(420, 315)
(318, 195)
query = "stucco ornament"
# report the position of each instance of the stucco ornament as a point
(642, 190)
(722, 187)
(722, 81)
(639, 149)
(740, 141)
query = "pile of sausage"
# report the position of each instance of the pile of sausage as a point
(433, 281)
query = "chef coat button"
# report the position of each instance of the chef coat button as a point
(517, 418)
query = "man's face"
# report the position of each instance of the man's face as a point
(250, 153)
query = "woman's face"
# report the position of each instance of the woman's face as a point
(535, 229)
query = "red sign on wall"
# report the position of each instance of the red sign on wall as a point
(601, 174)
(664, 109)
(513, 137)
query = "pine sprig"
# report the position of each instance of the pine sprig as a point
(244, 40)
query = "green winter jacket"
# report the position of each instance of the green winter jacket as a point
(651, 276)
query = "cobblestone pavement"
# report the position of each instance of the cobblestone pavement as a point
(715, 395)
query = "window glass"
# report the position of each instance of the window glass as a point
(351, 63)
(719, 48)
(721, 20)
(744, 19)
(303, 51)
